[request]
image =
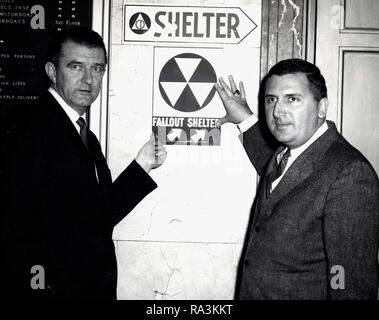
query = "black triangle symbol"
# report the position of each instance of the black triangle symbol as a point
(204, 73)
(187, 101)
(171, 72)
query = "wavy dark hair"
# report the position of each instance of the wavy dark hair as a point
(316, 80)
(79, 35)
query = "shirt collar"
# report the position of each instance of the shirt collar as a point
(319, 132)
(71, 113)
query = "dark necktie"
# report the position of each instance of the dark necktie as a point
(278, 171)
(94, 150)
(83, 130)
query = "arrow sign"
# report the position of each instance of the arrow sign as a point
(173, 134)
(191, 24)
(200, 134)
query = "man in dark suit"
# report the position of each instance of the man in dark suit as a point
(314, 227)
(60, 205)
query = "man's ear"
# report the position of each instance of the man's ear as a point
(51, 71)
(323, 108)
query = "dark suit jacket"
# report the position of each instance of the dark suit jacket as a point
(55, 213)
(323, 213)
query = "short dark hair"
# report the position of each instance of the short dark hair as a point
(290, 66)
(79, 35)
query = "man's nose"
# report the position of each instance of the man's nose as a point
(279, 109)
(87, 76)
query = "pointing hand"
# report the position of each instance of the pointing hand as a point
(152, 154)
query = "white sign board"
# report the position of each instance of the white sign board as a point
(191, 24)
(184, 107)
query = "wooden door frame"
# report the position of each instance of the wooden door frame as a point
(310, 27)
(98, 115)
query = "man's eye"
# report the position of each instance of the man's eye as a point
(293, 99)
(77, 67)
(270, 99)
(98, 69)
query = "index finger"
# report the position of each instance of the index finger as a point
(159, 136)
(225, 87)
(232, 84)
(220, 91)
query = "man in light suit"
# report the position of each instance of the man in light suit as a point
(59, 204)
(314, 227)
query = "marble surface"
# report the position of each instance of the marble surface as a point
(183, 241)
(174, 270)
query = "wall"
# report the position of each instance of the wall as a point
(184, 240)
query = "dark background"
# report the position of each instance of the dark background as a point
(22, 48)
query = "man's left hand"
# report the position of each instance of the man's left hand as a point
(152, 154)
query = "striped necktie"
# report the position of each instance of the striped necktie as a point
(278, 171)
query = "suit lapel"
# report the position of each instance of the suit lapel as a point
(300, 169)
(262, 197)
(101, 164)
(64, 126)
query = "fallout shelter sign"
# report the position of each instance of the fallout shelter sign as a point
(191, 46)
(183, 103)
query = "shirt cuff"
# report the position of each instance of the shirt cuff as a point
(248, 123)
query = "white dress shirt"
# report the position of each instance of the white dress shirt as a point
(71, 113)
(295, 153)
(247, 123)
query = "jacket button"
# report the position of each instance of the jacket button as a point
(246, 262)
(257, 229)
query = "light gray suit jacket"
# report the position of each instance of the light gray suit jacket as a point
(323, 213)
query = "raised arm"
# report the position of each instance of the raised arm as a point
(254, 140)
